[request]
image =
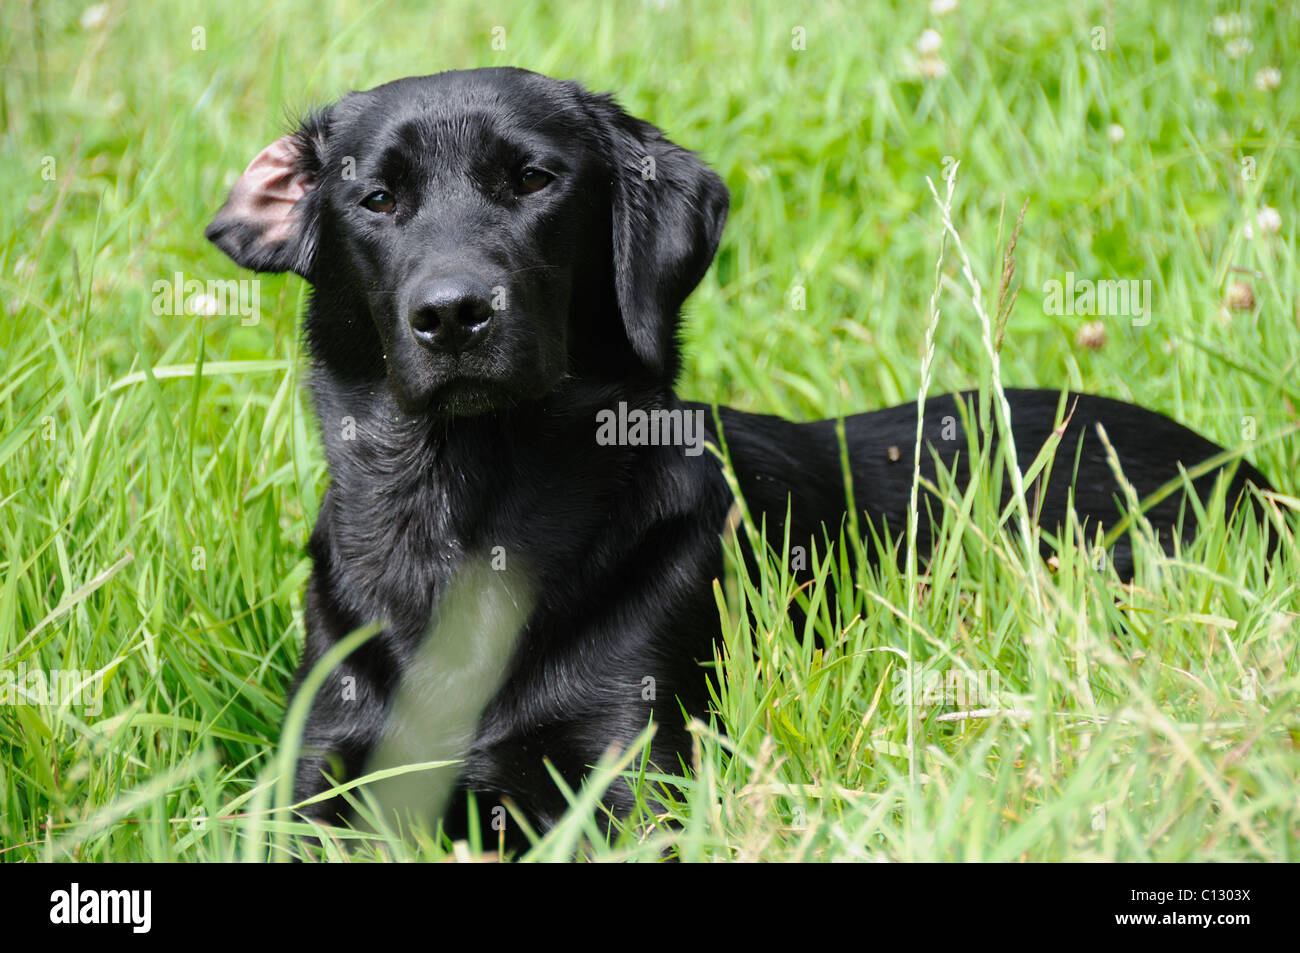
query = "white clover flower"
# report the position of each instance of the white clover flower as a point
(1268, 79)
(939, 8)
(930, 42)
(1231, 24)
(1115, 133)
(204, 304)
(94, 16)
(1238, 47)
(1091, 336)
(1241, 297)
(931, 67)
(1268, 220)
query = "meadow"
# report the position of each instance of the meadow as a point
(160, 468)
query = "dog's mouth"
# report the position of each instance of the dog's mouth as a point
(465, 398)
(459, 397)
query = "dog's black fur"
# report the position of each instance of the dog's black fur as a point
(496, 258)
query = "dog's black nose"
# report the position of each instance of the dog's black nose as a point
(451, 314)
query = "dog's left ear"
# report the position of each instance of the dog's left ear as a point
(668, 211)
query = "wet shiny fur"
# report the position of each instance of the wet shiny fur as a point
(496, 259)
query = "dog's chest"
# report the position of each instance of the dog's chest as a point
(398, 535)
(448, 681)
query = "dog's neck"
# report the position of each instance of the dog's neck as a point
(455, 489)
(434, 459)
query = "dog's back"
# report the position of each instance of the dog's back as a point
(777, 461)
(497, 285)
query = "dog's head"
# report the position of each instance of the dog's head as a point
(501, 229)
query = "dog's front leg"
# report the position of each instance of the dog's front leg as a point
(347, 712)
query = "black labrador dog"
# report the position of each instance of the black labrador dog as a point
(498, 261)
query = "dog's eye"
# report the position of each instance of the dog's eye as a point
(380, 201)
(533, 180)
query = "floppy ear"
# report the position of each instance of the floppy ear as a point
(668, 212)
(269, 221)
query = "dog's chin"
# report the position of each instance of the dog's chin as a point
(458, 398)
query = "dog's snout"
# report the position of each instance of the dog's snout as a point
(451, 313)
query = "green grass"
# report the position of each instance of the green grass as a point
(159, 474)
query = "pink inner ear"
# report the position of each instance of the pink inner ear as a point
(266, 193)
